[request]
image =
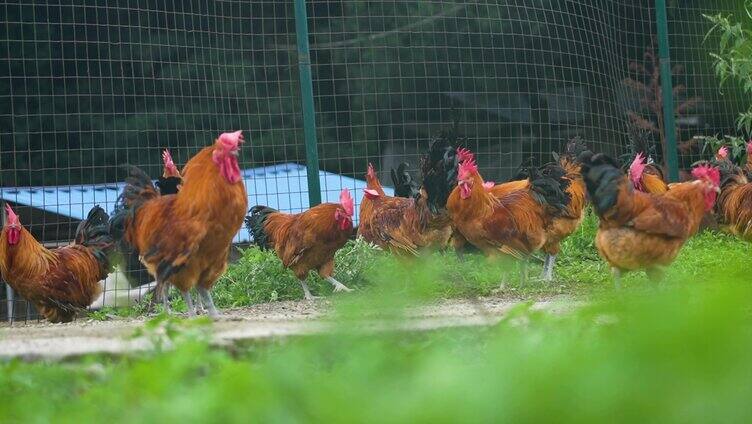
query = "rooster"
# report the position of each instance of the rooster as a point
(734, 204)
(646, 177)
(722, 154)
(373, 185)
(510, 222)
(184, 238)
(306, 241)
(640, 230)
(170, 181)
(568, 221)
(406, 225)
(61, 281)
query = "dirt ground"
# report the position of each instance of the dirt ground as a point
(42, 340)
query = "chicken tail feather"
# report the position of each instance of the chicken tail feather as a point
(255, 225)
(138, 189)
(168, 185)
(548, 186)
(94, 233)
(404, 185)
(439, 170)
(603, 180)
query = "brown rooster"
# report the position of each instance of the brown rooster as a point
(646, 177)
(373, 186)
(61, 281)
(408, 224)
(640, 230)
(184, 239)
(511, 222)
(169, 183)
(306, 241)
(734, 205)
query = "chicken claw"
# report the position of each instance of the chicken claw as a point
(307, 292)
(338, 287)
(208, 302)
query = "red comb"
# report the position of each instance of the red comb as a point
(707, 171)
(346, 201)
(464, 155)
(11, 218)
(232, 138)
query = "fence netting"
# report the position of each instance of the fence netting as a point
(89, 86)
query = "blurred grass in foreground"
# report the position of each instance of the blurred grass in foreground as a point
(678, 352)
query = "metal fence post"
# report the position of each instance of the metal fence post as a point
(306, 94)
(10, 298)
(667, 92)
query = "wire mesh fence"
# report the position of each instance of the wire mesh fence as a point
(89, 86)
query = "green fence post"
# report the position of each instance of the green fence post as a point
(667, 92)
(306, 94)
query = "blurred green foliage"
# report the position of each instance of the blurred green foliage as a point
(674, 355)
(732, 59)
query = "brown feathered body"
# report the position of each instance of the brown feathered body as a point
(406, 225)
(306, 241)
(403, 225)
(642, 230)
(507, 219)
(61, 281)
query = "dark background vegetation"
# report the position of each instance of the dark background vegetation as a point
(93, 84)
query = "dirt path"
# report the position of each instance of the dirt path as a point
(41, 340)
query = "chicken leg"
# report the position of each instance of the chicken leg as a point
(523, 271)
(617, 278)
(189, 303)
(163, 290)
(548, 268)
(206, 298)
(338, 287)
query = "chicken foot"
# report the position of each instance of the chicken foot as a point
(306, 291)
(338, 287)
(164, 289)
